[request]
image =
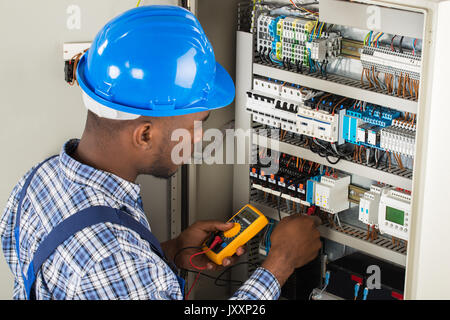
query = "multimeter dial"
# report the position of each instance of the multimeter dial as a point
(233, 231)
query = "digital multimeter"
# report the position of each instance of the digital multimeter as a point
(247, 223)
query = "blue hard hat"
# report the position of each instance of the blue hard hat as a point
(154, 61)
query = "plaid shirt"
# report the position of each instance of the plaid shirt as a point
(103, 261)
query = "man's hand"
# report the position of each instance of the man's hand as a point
(295, 242)
(194, 236)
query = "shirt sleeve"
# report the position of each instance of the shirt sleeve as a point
(127, 276)
(262, 285)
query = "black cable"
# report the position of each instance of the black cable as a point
(263, 55)
(228, 269)
(324, 152)
(400, 44)
(333, 162)
(218, 278)
(231, 281)
(379, 159)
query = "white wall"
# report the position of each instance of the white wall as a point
(39, 111)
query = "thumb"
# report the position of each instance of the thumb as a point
(213, 225)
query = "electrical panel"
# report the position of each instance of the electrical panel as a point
(344, 100)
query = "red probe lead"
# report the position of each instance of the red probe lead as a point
(216, 241)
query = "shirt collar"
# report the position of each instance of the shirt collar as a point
(106, 182)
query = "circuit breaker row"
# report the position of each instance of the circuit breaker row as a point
(304, 182)
(329, 117)
(307, 183)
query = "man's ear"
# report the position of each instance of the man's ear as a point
(143, 135)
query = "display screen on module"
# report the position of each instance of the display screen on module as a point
(395, 215)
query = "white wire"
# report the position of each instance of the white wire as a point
(319, 294)
(338, 220)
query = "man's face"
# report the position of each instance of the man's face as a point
(162, 164)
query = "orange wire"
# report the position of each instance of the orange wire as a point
(339, 102)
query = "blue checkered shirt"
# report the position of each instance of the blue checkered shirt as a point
(104, 261)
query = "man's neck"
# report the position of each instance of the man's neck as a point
(105, 157)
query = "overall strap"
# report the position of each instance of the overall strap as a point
(79, 221)
(22, 194)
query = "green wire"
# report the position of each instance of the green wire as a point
(365, 39)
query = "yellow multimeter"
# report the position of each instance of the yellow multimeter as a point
(247, 223)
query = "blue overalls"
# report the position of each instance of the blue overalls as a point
(77, 222)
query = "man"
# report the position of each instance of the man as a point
(74, 225)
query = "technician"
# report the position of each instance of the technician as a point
(74, 226)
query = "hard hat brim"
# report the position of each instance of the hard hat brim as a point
(221, 95)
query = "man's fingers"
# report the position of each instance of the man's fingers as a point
(317, 221)
(211, 266)
(228, 261)
(240, 251)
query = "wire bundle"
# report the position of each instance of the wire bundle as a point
(399, 84)
(75, 60)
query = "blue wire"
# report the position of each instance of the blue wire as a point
(356, 289)
(379, 38)
(320, 67)
(311, 64)
(365, 293)
(276, 61)
(267, 240)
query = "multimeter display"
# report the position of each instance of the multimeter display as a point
(247, 216)
(247, 223)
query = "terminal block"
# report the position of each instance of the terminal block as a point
(291, 41)
(398, 140)
(385, 60)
